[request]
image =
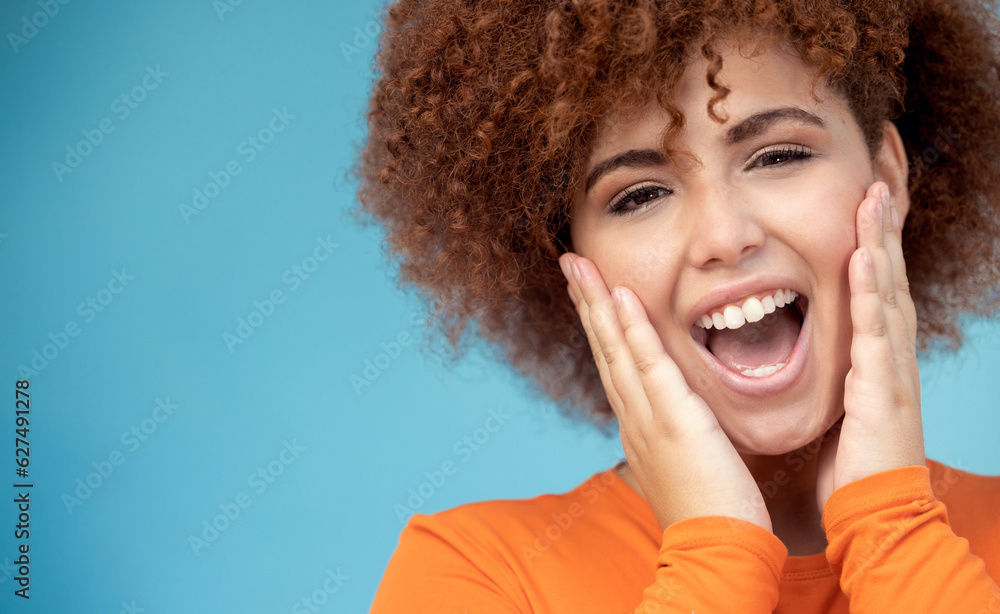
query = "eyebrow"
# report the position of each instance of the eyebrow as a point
(750, 127)
(632, 158)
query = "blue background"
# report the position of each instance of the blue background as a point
(213, 80)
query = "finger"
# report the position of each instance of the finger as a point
(572, 285)
(894, 246)
(610, 335)
(906, 343)
(583, 309)
(871, 347)
(872, 233)
(661, 378)
(876, 233)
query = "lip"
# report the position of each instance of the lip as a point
(730, 294)
(777, 382)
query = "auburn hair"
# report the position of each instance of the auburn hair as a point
(483, 113)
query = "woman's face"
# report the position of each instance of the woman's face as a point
(772, 206)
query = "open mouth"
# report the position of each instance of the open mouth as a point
(755, 345)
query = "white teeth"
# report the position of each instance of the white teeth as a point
(734, 316)
(718, 320)
(753, 310)
(763, 371)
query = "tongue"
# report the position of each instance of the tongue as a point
(758, 344)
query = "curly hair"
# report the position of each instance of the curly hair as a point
(484, 111)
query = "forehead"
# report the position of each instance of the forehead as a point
(759, 76)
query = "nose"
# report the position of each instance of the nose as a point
(725, 228)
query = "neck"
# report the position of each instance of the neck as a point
(788, 484)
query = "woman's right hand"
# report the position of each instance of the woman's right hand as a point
(682, 459)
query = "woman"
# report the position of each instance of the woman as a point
(726, 193)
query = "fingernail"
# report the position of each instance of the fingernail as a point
(616, 295)
(562, 266)
(575, 269)
(884, 193)
(866, 257)
(895, 219)
(878, 210)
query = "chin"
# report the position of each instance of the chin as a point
(776, 431)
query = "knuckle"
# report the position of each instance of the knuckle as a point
(889, 298)
(598, 355)
(646, 366)
(610, 354)
(632, 331)
(690, 397)
(876, 329)
(599, 316)
(908, 351)
(900, 397)
(903, 293)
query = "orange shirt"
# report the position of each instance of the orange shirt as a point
(914, 540)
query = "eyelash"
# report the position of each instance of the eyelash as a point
(797, 152)
(619, 205)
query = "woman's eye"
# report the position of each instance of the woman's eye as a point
(781, 155)
(636, 198)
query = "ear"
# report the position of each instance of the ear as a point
(890, 165)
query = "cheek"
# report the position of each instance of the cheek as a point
(834, 239)
(647, 267)
(827, 244)
(638, 260)
(823, 224)
(828, 247)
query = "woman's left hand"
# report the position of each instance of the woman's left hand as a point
(881, 428)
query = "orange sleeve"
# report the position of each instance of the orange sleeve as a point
(715, 564)
(892, 546)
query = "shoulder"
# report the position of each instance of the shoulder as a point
(518, 555)
(512, 537)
